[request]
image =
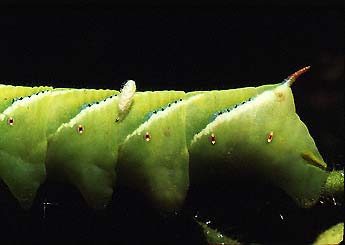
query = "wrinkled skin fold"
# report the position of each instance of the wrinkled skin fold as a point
(161, 144)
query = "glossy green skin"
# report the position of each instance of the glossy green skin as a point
(163, 167)
(75, 157)
(242, 149)
(23, 146)
(158, 167)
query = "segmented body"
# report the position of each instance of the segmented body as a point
(158, 143)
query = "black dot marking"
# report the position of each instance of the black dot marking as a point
(180, 99)
(10, 121)
(169, 105)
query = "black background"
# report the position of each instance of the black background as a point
(195, 47)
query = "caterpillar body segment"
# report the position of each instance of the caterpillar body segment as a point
(270, 143)
(153, 157)
(74, 152)
(25, 126)
(158, 143)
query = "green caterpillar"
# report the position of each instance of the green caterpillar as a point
(156, 143)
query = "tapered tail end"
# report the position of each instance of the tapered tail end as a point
(293, 77)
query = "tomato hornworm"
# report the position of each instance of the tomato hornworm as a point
(158, 143)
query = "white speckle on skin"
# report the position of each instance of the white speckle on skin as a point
(126, 98)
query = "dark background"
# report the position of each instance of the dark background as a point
(181, 48)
